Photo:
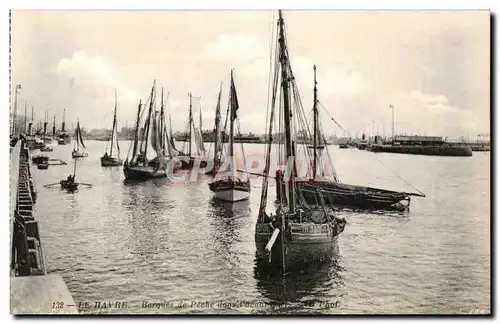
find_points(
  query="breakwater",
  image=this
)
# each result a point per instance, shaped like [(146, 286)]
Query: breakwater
[(441, 150)]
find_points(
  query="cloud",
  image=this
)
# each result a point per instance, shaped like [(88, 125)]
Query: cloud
[(238, 47), (94, 74)]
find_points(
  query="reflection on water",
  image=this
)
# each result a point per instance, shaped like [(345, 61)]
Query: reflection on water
[(146, 211), (305, 286)]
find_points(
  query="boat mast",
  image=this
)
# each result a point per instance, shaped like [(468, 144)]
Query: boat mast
[(162, 133), (136, 135), (232, 117), (78, 135), (149, 121), (287, 111), (54, 127), (113, 129), (74, 169), (190, 122), (315, 132)]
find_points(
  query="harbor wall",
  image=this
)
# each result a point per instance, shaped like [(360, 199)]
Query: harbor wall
[(440, 150)]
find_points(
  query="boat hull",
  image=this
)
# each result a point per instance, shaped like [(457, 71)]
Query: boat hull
[(70, 186), (308, 243), (230, 190), (79, 154), (139, 172), (107, 161), (143, 172), (348, 196), (187, 165)]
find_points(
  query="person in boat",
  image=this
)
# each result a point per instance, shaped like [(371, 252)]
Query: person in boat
[(71, 179), (106, 155)]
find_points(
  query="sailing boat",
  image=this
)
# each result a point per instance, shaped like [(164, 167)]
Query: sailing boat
[(335, 193), (188, 159), (217, 139), (109, 159), (167, 144), (79, 149), (142, 166), (231, 188), (301, 232)]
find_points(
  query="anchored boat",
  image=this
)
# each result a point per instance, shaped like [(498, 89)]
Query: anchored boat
[(231, 188), (188, 159), (149, 158), (109, 159), (79, 149), (297, 231), (218, 138), (332, 191)]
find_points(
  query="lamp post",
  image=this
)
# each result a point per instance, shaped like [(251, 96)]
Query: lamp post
[(14, 119), (392, 107)]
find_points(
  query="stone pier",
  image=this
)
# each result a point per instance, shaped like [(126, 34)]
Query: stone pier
[(32, 290)]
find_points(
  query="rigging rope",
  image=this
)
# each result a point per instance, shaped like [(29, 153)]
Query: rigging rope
[(376, 158), (399, 176)]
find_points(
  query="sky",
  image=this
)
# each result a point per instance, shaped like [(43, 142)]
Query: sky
[(432, 66)]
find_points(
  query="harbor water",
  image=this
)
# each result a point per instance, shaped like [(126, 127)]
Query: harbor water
[(158, 245)]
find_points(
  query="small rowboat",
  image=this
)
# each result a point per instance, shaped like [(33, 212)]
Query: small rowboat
[(37, 159), (69, 185), (43, 166)]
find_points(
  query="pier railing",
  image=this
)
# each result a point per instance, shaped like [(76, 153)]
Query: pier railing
[(26, 247)]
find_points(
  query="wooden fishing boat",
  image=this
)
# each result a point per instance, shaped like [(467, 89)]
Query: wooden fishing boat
[(297, 232), (187, 159), (218, 139), (79, 149), (109, 159), (335, 193), (231, 188), (154, 140)]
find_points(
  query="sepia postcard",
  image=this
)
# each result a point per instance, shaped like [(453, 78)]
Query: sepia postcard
[(287, 162)]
